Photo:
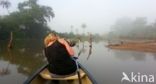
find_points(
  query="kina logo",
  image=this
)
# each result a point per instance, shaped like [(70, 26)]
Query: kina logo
[(137, 78)]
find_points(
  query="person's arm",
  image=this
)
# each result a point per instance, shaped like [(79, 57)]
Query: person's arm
[(69, 49)]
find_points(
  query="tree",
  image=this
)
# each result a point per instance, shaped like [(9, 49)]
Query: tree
[(83, 27), (36, 17), (5, 4), (29, 22)]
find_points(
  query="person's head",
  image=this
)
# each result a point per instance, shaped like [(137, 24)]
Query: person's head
[(51, 37)]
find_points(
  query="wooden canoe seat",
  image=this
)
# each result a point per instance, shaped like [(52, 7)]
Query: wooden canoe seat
[(46, 75)]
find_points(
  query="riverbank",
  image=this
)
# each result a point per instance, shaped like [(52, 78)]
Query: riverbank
[(144, 46)]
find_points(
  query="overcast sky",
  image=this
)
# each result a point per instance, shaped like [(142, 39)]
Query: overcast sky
[(98, 15)]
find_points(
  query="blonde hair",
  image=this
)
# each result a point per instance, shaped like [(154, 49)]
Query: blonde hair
[(49, 38)]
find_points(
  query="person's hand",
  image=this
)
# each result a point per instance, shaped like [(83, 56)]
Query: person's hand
[(71, 43), (75, 58)]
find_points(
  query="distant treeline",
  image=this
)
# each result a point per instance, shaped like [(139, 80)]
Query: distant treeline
[(139, 28), (82, 37), (30, 22)]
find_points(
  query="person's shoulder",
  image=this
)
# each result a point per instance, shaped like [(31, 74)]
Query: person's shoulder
[(62, 40)]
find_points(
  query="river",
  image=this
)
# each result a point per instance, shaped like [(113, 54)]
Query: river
[(106, 65)]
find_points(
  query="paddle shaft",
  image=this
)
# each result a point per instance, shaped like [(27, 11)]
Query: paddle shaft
[(78, 72), (79, 77)]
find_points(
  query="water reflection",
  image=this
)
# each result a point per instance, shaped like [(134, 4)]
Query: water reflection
[(129, 55), (90, 52), (86, 45), (106, 66), (133, 55), (85, 50), (23, 56), (90, 45), (154, 55), (5, 70), (82, 50)]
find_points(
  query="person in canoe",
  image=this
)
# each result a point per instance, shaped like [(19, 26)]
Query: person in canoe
[(59, 53)]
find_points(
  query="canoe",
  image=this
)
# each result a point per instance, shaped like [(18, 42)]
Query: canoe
[(42, 76)]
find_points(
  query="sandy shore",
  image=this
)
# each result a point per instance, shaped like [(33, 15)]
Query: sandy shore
[(147, 46)]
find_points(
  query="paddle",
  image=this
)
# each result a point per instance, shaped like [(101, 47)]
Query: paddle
[(78, 70)]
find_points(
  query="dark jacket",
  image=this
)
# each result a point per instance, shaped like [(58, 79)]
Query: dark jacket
[(60, 61)]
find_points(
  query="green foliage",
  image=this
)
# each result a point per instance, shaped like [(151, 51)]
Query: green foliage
[(29, 22), (125, 28)]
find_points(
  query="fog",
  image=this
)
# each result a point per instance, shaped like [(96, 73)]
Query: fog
[(98, 15)]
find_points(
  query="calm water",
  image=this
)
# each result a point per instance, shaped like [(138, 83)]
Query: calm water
[(106, 65)]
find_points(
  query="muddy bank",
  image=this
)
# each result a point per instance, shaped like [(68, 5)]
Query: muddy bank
[(144, 46)]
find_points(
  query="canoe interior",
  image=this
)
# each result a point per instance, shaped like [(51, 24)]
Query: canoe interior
[(39, 80), (47, 75)]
